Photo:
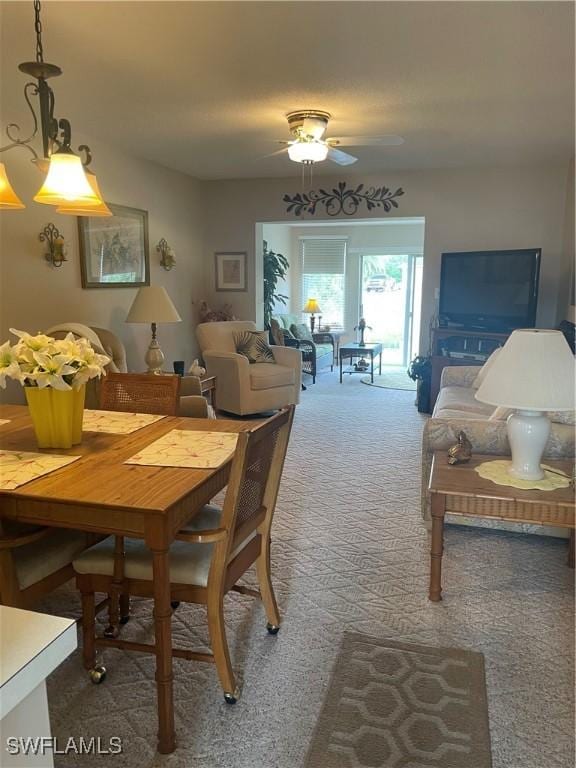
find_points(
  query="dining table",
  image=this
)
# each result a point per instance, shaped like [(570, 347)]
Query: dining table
[(100, 493)]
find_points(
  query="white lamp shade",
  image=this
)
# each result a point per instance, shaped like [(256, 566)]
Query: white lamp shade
[(153, 305), (534, 371)]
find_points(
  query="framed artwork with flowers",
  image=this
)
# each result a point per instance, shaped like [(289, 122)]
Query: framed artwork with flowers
[(114, 249)]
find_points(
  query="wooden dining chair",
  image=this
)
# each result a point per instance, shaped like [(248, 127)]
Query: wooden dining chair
[(140, 393), (208, 556), (36, 560), (135, 393)]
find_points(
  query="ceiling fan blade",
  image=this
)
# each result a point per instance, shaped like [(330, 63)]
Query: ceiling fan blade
[(313, 127), (366, 141), (342, 158), (278, 152)]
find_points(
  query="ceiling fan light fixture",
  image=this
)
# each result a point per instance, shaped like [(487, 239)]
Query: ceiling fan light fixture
[(308, 152)]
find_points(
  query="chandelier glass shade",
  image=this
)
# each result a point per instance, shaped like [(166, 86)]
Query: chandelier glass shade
[(9, 200), (308, 151), (80, 209), (67, 184)]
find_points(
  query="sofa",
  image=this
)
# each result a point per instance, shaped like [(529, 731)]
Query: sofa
[(317, 353), (457, 409), (247, 388)]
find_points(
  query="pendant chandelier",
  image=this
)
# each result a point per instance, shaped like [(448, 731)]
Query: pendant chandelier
[(69, 184)]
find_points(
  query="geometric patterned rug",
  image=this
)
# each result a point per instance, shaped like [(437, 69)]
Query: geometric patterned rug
[(399, 704)]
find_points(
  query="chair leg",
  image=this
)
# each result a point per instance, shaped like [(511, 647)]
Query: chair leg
[(217, 630), (88, 630), (266, 588), (124, 608), (97, 671), (113, 627)]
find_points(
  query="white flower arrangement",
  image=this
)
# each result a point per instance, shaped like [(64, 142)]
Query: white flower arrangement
[(41, 361)]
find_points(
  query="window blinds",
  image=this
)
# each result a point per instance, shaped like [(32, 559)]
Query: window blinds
[(323, 277)]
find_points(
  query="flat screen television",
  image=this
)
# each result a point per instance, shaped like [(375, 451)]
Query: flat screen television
[(490, 290)]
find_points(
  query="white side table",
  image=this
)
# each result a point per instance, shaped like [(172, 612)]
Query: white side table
[(32, 645)]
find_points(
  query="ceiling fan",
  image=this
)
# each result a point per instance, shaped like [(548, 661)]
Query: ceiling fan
[(308, 145)]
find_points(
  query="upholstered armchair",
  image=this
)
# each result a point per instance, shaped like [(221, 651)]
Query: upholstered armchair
[(242, 387)]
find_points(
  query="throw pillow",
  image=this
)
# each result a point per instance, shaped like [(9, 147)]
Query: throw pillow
[(500, 413), (482, 373), (254, 346), (563, 417), (301, 331), (276, 333)]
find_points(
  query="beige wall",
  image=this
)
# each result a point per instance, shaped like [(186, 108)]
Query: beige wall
[(278, 237), (34, 295), (464, 209), (567, 288)]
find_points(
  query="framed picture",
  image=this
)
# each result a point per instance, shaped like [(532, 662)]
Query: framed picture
[(231, 271), (114, 249)]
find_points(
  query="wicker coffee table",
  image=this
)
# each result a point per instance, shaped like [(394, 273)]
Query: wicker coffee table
[(353, 350), (459, 490)]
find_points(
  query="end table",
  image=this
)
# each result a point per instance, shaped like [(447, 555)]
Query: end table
[(459, 490)]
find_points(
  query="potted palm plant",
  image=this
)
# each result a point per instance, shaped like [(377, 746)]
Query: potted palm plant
[(275, 269), (420, 370)]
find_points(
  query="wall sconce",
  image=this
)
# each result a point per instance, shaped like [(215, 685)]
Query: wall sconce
[(167, 258), (56, 254)]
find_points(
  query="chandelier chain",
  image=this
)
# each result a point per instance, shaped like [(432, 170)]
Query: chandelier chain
[(38, 28)]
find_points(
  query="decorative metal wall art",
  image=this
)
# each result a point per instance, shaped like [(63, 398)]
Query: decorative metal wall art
[(56, 254), (342, 200), (167, 257)]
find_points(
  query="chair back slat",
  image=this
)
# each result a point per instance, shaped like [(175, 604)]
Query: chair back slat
[(255, 478), (140, 393)]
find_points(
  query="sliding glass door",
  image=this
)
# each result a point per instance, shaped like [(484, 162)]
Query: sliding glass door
[(390, 301)]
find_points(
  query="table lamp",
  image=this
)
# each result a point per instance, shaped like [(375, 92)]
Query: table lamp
[(311, 309), (153, 305), (533, 374)]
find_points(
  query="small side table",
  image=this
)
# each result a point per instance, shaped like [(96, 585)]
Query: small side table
[(336, 338), (354, 350), (459, 490), (208, 386)]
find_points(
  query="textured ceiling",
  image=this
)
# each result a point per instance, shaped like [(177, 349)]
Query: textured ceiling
[(204, 86)]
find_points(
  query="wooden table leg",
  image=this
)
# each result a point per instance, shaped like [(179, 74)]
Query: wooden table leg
[(436, 550), (340, 368), (163, 638), (571, 549)]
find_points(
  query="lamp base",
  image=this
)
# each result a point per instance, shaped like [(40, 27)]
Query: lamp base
[(154, 357), (528, 433)]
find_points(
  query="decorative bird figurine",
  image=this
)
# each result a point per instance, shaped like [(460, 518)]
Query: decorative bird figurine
[(462, 451), (362, 327)]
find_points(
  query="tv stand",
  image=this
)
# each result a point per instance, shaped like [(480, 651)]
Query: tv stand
[(458, 346)]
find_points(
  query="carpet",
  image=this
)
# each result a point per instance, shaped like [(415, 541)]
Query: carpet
[(392, 704), (392, 380)]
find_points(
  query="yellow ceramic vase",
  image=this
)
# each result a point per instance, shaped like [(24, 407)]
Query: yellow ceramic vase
[(56, 415)]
